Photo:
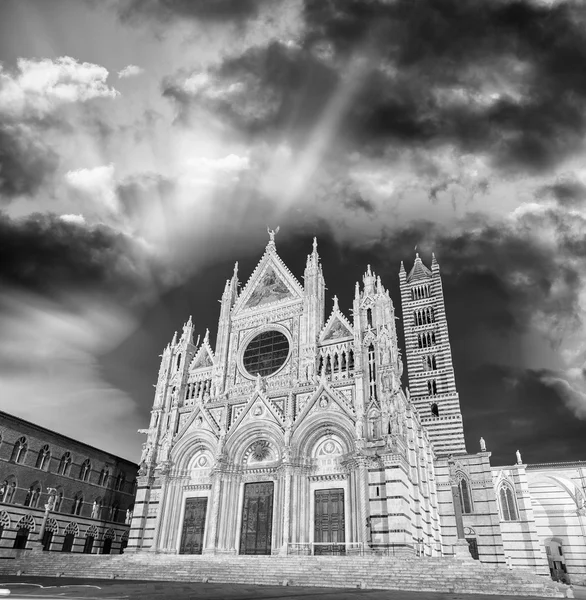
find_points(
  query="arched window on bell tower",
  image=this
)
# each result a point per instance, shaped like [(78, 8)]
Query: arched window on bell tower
[(372, 372), (369, 317)]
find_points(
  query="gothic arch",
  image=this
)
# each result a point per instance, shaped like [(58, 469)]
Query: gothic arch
[(241, 440), (310, 432), (182, 453)]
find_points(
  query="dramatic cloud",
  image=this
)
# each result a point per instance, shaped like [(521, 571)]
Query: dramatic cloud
[(39, 86), (503, 80), (130, 71), (31, 97), (54, 256), (97, 183)]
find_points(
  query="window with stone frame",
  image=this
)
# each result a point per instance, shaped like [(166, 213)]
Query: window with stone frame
[(33, 495), (508, 503), (44, 458), (65, 464), (464, 494), (85, 470), (19, 450), (8, 490), (104, 477)]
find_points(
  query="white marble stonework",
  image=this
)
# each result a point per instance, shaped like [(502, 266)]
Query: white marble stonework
[(294, 434)]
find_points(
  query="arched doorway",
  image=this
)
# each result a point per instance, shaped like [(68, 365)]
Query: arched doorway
[(556, 560)]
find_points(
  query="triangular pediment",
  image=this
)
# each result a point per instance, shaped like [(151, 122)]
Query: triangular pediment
[(199, 419), (337, 328), (258, 408), (204, 357), (270, 282), (323, 399)]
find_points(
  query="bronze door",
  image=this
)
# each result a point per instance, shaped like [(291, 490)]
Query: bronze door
[(193, 526), (257, 518), (329, 521)]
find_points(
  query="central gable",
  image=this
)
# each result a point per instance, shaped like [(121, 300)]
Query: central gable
[(271, 288), (270, 282)]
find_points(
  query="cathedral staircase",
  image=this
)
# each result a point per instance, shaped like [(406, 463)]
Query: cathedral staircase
[(372, 572)]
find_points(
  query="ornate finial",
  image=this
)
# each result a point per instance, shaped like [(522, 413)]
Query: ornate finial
[(272, 233), (402, 269), (174, 340), (379, 285), (206, 337), (314, 245), (235, 269), (197, 343), (416, 255), (336, 307), (368, 271)]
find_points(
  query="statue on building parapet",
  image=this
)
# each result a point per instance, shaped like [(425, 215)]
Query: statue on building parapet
[(482, 445), (519, 461), (272, 233)]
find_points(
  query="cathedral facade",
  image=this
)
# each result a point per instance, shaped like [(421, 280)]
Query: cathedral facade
[(294, 435)]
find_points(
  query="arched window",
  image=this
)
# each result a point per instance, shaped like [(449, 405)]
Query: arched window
[(328, 365), (432, 387), (419, 341), (434, 410), (178, 361), (102, 477), (85, 470), (77, 504), (90, 535), (372, 372), (120, 481), (114, 510), (51, 528), (70, 533), (33, 495), (43, 458), (8, 490), (65, 464), (351, 360), (19, 450), (508, 504), (58, 500), (23, 529), (369, 317), (464, 494), (123, 542), (109, 537)]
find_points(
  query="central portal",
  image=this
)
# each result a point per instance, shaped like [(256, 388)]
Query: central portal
[(257, 518), (193, 526), (329, 522)]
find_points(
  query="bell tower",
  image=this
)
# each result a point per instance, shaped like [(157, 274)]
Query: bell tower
[(429, 356)]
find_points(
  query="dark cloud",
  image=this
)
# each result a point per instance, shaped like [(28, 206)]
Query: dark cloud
[(569, 192), (201, 10), (358, 203), (25, 162), (516, 409), (44, 254), (502, 78)]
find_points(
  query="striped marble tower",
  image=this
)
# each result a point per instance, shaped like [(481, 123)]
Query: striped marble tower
[(429, 357)]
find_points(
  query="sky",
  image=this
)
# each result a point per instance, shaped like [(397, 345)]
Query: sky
[(146, 145)]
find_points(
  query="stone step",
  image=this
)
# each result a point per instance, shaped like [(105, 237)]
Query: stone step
[(416, 574)]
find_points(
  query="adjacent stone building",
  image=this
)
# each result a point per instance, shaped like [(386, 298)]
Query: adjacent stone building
[(294, 435), (93, 491)]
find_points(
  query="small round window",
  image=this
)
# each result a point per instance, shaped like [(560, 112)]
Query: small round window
[(266, 353)]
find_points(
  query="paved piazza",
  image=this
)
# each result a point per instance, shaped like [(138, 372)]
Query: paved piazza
[(47, 587)]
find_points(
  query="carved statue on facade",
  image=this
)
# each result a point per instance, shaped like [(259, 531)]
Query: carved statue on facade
[(519, 461), (273, 233), (482, 445)]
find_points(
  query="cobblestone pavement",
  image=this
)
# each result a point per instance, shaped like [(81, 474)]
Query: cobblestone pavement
[(89, 589)]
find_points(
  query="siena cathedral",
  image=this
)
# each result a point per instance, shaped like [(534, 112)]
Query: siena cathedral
[(295, 435)]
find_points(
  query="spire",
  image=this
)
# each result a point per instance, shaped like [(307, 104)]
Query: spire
[(313, 258), (369, 280), (187, 334), (419, 270), (206, 337), (235, 274), (434, 263), (357, 291), (379, 285)]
